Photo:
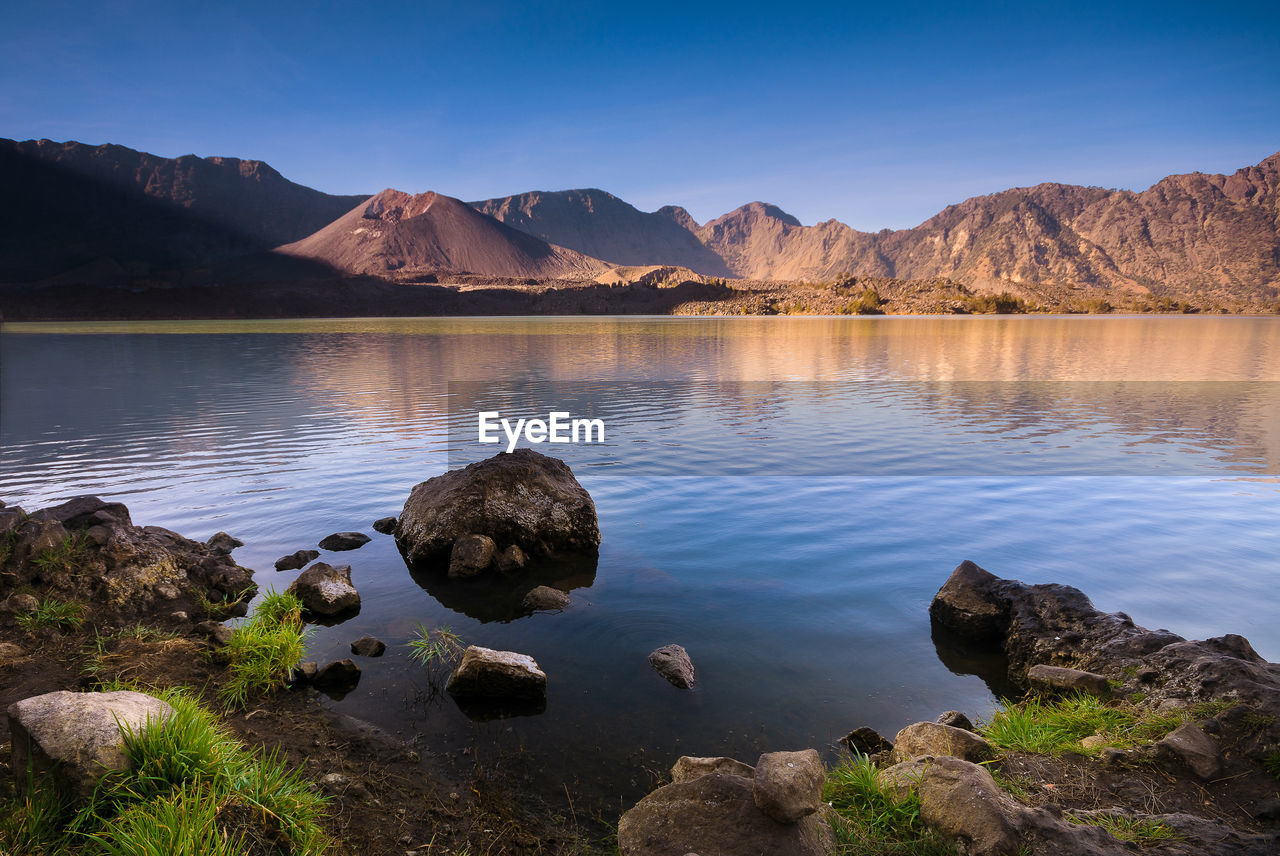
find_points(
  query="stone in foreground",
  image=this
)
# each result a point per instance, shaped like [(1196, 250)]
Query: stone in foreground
[(1061, 679), (687, 768), (932, 738), (344, 541), (485, 673), (1193, 747), (296, 560), (522, 498), (673, 663), (77, 736), (716, 815), (325, 590), (788, 785), (545, 598)]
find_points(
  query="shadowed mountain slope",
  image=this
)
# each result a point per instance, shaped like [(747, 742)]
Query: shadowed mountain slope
[(601, 225)]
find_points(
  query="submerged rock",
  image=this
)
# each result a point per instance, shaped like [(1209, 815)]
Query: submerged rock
[(866, 741), (368, 646), (788, 785), (76, 737), (337, 678), (674, 664), (325, 590), (511, 559), (340, 541), (522, 498), (489, 674), (545, 598), (223, 543), (299, 559)]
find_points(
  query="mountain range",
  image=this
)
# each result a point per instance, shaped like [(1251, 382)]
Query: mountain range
[(82, 213)]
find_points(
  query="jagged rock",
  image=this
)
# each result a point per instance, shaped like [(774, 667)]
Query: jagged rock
[(1059, 678), (77, 736), (955, 719), (340, 676), (932, 738), (296, 560), (788, 785), (522, 498), (866, 741), (471, 555), (88, 550), (1189, 744), (368, 646), (511, 559), (687, 768), (716, 815), (546, 597), (326, 590), (385, 525), (673, 663), (216, 632), (340, 541), (486, 673), (223, 543), (963, 606)]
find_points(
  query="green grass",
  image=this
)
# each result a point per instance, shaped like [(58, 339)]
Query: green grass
[(1045, 727), (872, 820), (1144, 833), (263, 651), (1271, 761), (191, 788), (55, 614), (439, 646), (63, 557)]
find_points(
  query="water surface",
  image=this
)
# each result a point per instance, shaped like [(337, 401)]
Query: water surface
[(1132, 457)]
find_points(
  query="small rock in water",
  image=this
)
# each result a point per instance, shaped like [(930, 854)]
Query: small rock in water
[(673, 663), (293, 561), (486, 673), (471, 555), (344, 541), (368, 646), (223, 543), (546, 597), (338, 677), (326, 590), (305, 673), (385, 525)]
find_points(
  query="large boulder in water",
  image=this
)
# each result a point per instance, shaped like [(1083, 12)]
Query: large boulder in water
[(522, 498)]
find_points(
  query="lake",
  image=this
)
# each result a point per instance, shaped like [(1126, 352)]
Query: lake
[(782, 496)]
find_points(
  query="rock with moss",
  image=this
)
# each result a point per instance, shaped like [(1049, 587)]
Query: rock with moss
[(88, 550)]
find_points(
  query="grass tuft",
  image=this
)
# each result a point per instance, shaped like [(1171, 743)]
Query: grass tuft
[(264, 650), (64, 556), (872, 820), (54, 614), (1133, 830)]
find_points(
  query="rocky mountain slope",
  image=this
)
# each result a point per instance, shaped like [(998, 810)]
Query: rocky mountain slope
[(601, 225), (394, 234)]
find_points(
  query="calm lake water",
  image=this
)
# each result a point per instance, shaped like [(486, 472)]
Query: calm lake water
[(781, 496)]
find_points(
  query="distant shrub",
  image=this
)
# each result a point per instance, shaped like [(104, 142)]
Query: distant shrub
[(1003, 303), (1098, 306)]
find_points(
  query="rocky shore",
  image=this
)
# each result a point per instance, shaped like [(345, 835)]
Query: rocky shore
[(1113, 737)]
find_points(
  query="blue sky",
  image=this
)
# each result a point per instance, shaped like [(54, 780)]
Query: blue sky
[(877, 115)]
